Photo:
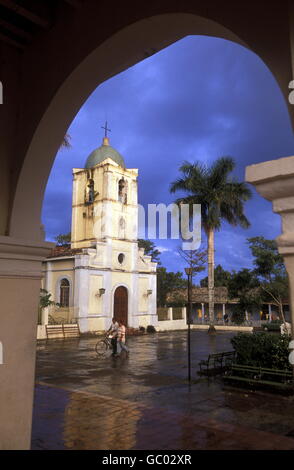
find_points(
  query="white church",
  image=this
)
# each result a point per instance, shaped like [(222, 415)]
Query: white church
[(103, 273)]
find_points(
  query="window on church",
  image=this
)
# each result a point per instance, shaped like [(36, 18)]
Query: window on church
[(64, 293), (90, 192), (121, 258), (122, 191)]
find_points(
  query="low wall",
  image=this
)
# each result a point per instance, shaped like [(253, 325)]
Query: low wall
[(224, 327), (168, 325)]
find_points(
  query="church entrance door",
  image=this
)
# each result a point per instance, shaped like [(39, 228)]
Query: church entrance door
[(120, 308)]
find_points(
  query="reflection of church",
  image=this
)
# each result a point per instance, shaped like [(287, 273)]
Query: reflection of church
[(103, 273)]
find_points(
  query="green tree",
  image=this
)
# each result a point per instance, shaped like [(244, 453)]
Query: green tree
[(241, 282), (245, 286), (44, 301), (150, 249), (194, 259), (166, 282), (63, 239), (267, 260), (221, 197), (221, 278), (271, 271)]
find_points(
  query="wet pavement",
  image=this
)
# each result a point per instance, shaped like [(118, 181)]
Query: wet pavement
[(145, 402)]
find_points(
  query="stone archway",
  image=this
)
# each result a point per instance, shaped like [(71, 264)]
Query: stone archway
[(120, 305), (60, 104)]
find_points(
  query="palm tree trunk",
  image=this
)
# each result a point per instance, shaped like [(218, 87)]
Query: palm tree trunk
[(210, 251)]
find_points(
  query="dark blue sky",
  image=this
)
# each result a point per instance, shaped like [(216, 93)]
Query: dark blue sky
[(199, 99)]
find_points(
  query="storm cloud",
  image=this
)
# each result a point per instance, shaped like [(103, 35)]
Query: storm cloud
[(199, 99)]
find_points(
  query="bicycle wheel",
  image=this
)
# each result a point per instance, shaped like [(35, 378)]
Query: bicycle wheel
[(101, 347)]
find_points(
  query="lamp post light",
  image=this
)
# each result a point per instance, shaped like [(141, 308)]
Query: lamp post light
[(189, 272)]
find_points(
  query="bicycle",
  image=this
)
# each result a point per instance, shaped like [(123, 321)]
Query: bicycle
[(103, 345)]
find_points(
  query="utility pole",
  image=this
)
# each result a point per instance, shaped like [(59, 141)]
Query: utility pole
[(189, 272)]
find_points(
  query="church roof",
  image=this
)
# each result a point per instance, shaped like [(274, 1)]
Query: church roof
[(65, 250), (103, 152)]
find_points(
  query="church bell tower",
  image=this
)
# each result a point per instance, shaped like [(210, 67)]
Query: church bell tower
[(105, 202)]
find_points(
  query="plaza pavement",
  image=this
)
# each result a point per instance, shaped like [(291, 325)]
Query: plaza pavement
[(145, 402)]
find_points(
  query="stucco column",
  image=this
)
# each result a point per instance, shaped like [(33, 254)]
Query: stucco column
[(20, 282), (45, 316), (81, 294), (274, 180), (202, 312), (152, 307), (269, 312), (184, 314)]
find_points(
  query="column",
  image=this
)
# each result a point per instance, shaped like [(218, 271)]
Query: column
[(274, 180), (269, 312), (20, 282), (202, 312), (45, 316), (224, 311), (81, 294), (184, 314)]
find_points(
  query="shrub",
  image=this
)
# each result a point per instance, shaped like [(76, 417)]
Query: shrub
[(142, 329), (151, 329), (273, 325), (262, 350)]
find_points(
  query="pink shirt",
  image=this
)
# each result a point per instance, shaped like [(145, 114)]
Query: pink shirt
[(122, 333)]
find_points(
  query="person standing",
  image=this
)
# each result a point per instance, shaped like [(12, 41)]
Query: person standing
[(113, 331), (121, 337)]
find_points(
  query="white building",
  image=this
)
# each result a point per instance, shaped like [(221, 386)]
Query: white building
[(104, 273)]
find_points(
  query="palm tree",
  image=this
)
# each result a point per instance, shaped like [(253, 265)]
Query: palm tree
[(221, 197)]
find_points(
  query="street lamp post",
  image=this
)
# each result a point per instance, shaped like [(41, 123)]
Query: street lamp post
[(189, 272)]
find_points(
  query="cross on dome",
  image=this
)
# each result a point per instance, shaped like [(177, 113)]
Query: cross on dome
[(106, 129)]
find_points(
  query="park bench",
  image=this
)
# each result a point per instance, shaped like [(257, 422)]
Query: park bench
[(216, 362), (260, 376), (71, 331), (62, 331)]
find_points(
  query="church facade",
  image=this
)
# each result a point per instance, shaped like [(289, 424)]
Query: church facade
[(103, 273)]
